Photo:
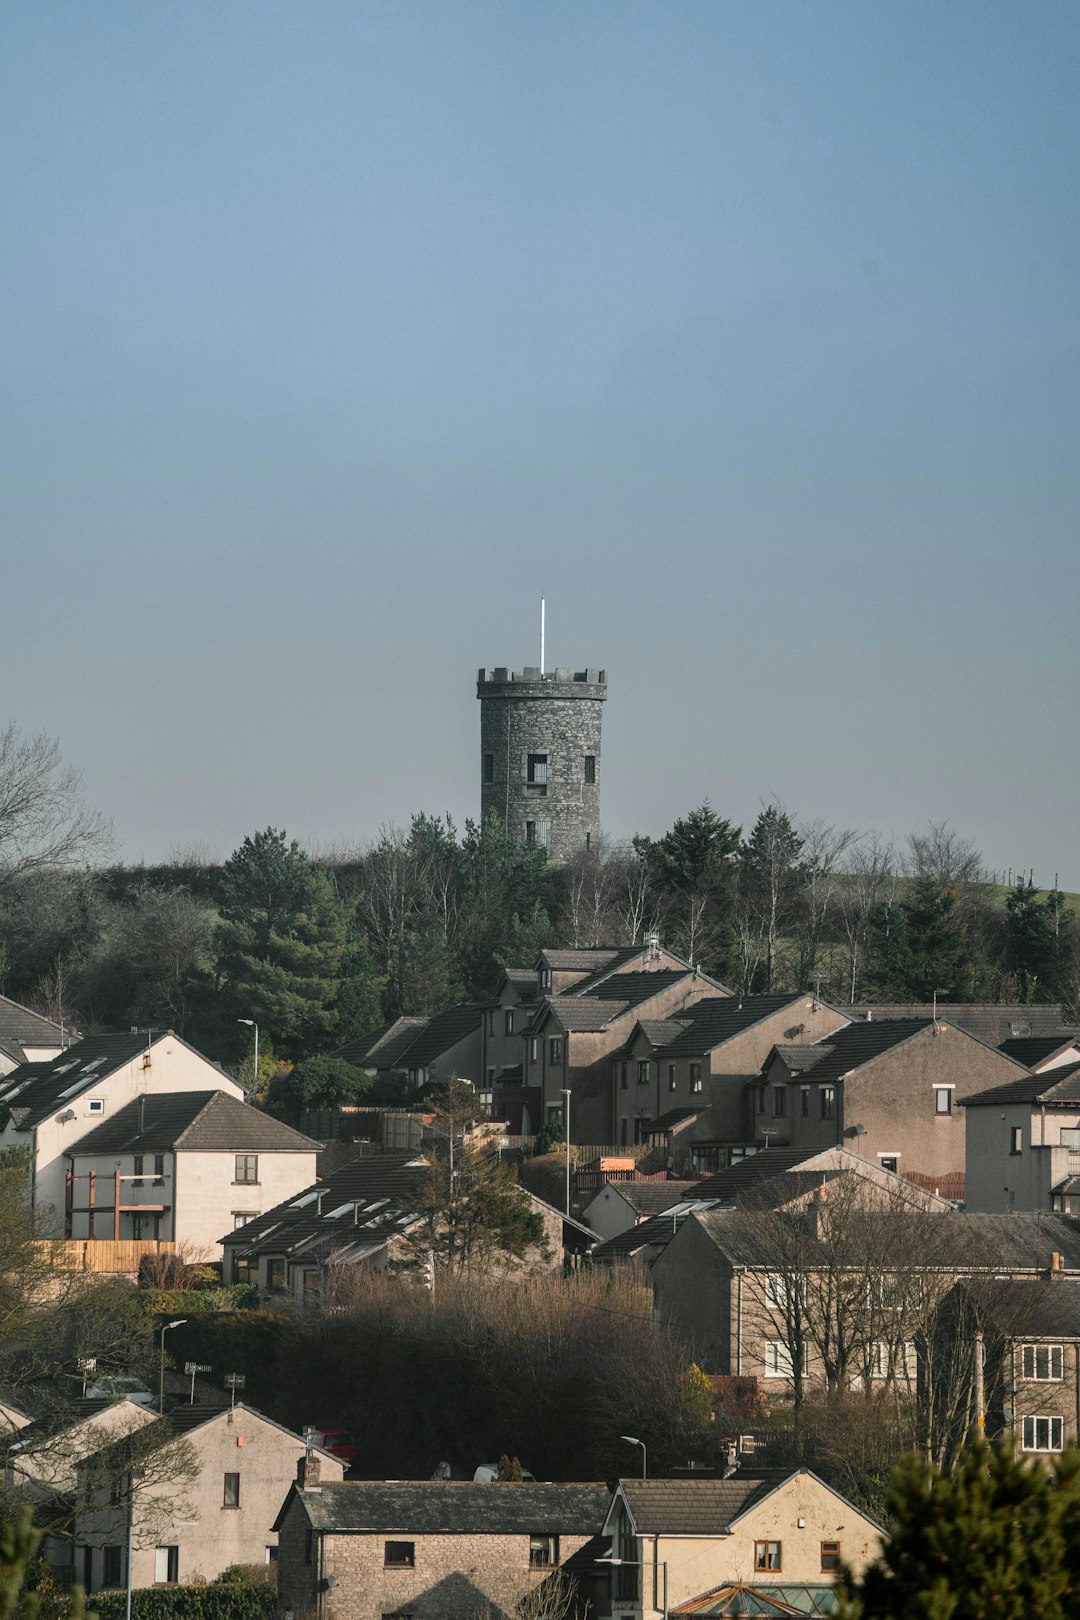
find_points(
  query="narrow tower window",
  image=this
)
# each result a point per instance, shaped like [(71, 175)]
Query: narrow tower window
[(538, 770), (590, 767), (489, 767)]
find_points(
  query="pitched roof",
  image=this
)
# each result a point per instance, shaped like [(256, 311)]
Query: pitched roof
[(719, 1018), (1045, 1309), (20, 1027), (379, 1049), (652, 1197), (693, 1507), (727, 1185), (989, 1022), (34, 1091), (857, 1044), (439, 1034), (594, 959), (802, 1056), (654, 1233), (609, 1000), (1058, 1088), (957, 1240), (456, 1507), (192, 1121), (365, 1202), (1032, 1050)]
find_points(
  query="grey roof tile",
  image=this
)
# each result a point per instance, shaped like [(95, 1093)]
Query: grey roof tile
[(1058, 1087), (719, 1018), (193, 1121), (693, 1507), (456, 1507)]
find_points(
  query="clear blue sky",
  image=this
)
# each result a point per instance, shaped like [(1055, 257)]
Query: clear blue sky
[(333, 334)]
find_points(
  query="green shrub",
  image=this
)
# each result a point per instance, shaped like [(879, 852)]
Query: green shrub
[(222, 1600), (200, 1301)]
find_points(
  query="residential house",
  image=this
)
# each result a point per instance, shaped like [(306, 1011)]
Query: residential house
[(27, 1037), (1042, 1052), (49, 1106), (677, 1542), (40, 1462), (207, 1485), (364, 1214), (889, 1090), (621, 1205), (685, 1077), (1031, 1362), (726, 1279), (992, 1022), (423, 1051), (436, 1550), (505, 1095), (774, 1178), (182, 1166), (570, 1039), (1023, 1142)]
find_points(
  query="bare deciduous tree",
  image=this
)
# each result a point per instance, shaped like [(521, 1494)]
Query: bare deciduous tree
[(868, 880), (43, 819)]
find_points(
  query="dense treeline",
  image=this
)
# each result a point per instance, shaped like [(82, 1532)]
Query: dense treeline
[(551, 1370), (318, 948)]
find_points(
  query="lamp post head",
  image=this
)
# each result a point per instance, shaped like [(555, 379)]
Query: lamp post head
[(248, 1021), (180, 1320)]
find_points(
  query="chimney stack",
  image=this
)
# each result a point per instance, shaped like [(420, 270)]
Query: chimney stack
[(307, 1472)]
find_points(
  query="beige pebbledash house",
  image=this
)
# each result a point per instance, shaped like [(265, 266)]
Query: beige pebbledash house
[(209, 1483), (437, 1550), (185, 1167), (674, 1541)]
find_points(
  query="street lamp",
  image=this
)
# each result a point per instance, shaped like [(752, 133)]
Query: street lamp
[(566, 1122), (250, 1022), (180, 1320), (632, 1440)]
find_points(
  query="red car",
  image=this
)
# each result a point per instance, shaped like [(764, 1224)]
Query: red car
[(339, 1443)]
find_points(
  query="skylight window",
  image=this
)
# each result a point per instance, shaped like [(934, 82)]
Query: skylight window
[(303, 1200)]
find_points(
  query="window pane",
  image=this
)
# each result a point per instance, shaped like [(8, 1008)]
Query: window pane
[(232, 1490)]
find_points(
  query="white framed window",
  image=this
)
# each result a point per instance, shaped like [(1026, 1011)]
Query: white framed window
[(1016, 1139), (943, 1099), (1044, 1434), (778, 1359), (95, 1105), (537, 772), (642, 1071), (1043, 1363), (889, 1161), (895, 1361), (671, 1077), (166, 1566)]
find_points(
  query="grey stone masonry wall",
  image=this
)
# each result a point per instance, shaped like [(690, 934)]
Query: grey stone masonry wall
[(538, 734)]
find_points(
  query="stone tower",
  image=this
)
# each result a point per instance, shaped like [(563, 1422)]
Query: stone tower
[(540, 755)]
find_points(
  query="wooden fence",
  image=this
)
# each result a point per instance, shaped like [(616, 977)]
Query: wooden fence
[(101, 1255)]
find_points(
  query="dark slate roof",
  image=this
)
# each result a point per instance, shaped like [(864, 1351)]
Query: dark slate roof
[(1058, 1088), (655, 1233), (673, 1119), (34, 1091), (64, 1416), (954, 1241), (376, 1193), (592, 960), (456, 1507), (438, 1036), (20, 1027), (693, 1507), (1035, 1049), (609, 1000), (195, 1122), (379, 1046), (798, 1059), (849, 1048), (712, 1022), (652, 1197), (630, 988), (727, 1185), (990, 1023), (660, 1030), (1047, 1309)]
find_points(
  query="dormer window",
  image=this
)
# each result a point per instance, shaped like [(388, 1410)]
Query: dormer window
[(545, 978)]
